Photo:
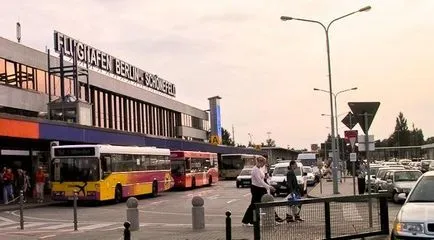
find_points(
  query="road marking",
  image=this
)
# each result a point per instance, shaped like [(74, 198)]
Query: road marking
[(158, 202), (186, 214), (246, 195), (94, 226), (58, 226), (14, 213), (6, 219), (47, 236), (26, 225), (213, 197), (7, 223), (232, 200)]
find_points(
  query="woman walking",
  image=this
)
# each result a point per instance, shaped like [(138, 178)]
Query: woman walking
[(258, 188)]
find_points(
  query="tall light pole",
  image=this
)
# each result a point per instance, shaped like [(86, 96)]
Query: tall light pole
[(250, 136), (326, 29), (335, 95)]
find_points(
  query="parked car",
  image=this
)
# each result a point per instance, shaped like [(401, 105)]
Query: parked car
[(379, 178), (415, 219), (310, 176), (431, 166), (244, 178), (400, 181), (374, 169), (278, 180), (424, 165)]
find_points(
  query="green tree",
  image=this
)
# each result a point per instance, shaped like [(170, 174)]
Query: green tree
[(429, 140), (226, 138), (401, 134), (416, 137), (270, 143)]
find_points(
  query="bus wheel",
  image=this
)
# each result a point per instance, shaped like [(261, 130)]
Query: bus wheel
[(210, 180), (154, 189), (193, 183), (118, 193)]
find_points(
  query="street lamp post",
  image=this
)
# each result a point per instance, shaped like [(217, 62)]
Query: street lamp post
[(326, 29), (335, 95)]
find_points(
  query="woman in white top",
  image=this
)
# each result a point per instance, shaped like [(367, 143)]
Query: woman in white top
[(258, 188)]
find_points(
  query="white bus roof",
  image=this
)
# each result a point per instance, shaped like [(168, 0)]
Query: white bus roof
[(306, 156), (242, 155), (122, 149)]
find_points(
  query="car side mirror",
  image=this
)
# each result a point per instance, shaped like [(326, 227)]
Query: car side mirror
[(402, 196), (305, 174), (373, 177)]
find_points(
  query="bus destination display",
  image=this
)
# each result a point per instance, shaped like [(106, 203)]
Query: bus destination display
[(76, 152)]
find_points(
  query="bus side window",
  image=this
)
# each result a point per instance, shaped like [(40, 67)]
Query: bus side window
[(105, 166), (188, 165)]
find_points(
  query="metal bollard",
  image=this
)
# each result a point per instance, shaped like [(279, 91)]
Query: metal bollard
[(268, 217), (21, 209), (198, 213), (228, 226), (75, 211), (127, 232), (133, 213)]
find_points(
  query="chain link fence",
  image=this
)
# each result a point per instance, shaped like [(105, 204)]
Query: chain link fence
[(344, 217)]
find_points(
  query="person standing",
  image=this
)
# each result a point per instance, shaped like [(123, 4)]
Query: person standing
[(295, 193), (8, 191), (20, 181), (40, 183), (361, 177), (258, 188)]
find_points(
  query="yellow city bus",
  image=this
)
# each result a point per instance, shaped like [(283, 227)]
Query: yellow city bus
[(106, 172)]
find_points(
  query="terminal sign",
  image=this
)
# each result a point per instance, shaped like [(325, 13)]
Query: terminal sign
[(110, 64)]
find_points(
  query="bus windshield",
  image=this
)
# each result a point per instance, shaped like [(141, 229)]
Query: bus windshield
[(76, 169), (232, 162), (178, 167)]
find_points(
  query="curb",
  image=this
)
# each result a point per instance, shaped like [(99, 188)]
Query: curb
[(308, 194)]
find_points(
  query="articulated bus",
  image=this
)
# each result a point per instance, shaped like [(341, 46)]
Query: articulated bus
[(193, 169), (231, 164), (105, 172)]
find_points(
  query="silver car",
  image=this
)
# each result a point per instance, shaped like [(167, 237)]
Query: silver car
[(400, 181), (415, 220)]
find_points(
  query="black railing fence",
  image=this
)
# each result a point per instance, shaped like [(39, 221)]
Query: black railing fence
[(345, 217)]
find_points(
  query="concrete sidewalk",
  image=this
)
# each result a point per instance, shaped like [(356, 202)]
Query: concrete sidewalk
[(30, 203), (325, 189)]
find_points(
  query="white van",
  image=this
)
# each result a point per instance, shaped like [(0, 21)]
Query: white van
[(278, 179), (307, 159)]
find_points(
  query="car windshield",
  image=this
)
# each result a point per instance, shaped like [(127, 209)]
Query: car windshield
[(422, 192), (374, 170), (282, 171), (246, 172), (407, 176)]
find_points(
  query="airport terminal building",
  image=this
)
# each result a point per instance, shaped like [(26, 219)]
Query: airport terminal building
[(85, 95)]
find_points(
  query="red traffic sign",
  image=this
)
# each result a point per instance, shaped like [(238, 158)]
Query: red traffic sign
[(351, 134)]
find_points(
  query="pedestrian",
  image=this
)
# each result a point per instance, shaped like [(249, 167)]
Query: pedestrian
[(20, 181), (26, 185), (361, 177), (258, 188), (295, 193), (8, 191), (40, 183)]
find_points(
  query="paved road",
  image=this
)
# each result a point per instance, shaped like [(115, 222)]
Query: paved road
[(169, 210)]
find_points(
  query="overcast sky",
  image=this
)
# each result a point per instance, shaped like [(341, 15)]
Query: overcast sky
[(264, 69)]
